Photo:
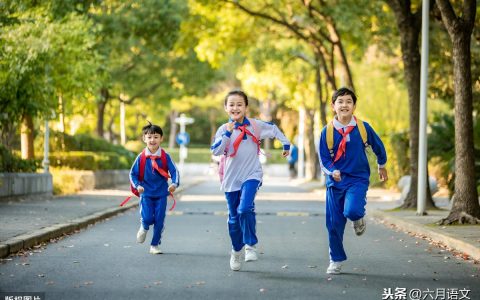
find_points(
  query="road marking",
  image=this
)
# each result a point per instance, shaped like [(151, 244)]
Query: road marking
[(292, 214), (225, 213)]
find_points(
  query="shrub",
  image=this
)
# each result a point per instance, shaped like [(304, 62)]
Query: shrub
[(12, 163), (85, 160)]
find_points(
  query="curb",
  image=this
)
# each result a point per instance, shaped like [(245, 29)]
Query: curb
[(28, 240), (433, 234)]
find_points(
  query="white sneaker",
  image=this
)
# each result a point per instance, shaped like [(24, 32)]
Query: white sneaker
[(359, 226), (335, 268), (236, 260), (250, 253), (155, 250), (141, 235)]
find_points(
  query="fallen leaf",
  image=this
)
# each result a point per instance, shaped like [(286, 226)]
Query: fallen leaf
[(285, 267), (41, 275)]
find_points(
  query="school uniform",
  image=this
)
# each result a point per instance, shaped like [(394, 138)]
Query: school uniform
[(243, 176), (346, 199), (153, 201)]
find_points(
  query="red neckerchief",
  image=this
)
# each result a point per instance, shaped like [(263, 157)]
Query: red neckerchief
[(243, 130), (343, 143)]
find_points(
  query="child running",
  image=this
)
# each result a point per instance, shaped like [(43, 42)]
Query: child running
[(343, 158), (239, 143), (153, 188)]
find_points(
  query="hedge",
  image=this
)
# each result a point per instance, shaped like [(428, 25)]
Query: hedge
[(86, 160)]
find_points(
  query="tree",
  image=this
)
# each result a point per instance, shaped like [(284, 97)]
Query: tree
[(409, 26), (134, 43), (465, 207), (32, 50)]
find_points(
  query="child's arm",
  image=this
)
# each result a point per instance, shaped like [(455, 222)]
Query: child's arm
[(379, 149), (222, 138), (134, 171), (175, 175), (326, 162), (270, 131)]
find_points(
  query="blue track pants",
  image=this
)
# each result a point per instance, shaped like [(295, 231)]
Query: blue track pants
[(342, 204), (152, 212), (241, 215)]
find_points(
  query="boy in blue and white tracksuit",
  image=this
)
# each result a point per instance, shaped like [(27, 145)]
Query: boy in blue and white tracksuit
[(154, 187), (242, 172), (347, 173)]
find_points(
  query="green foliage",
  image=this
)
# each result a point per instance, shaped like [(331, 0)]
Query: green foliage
[(59, 142), (11, 163), (441, 146), (85, 160), (398, 156)]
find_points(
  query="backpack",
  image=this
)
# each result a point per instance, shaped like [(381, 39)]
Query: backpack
[(257, 130), (361, 129), (143, 161)]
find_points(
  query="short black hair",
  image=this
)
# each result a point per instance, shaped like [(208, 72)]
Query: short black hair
[(239, 93), (342, 92), (152, 129)]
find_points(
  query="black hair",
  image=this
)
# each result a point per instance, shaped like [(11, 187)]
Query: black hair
[(239, 93), (342, 92), (152, 129)]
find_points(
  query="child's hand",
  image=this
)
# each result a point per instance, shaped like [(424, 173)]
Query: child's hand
[(336, 175), (285, 153), (172, 188), (382, 172), (230, 126), (140, 189)]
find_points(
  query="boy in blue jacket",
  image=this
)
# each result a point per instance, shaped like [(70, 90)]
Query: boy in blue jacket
[(154, 188), (347, 171)]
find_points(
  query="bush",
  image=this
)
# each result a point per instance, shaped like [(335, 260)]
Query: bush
[(85, 160), (11, 163), (59, 142)]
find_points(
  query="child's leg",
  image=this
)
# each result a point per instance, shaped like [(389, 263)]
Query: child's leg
[(147, 211), (160, 207), (246, 211), (355, 201), (336, 223), (234, 229)]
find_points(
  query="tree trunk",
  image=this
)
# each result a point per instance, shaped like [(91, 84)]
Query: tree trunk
[(409, 26), (173, 129), (101, 105), (312, 163), (27, 137), (340, 52), (465, 207), (322, 104), (61, 108)]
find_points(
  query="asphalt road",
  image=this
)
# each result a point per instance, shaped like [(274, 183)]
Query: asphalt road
[(105, 262)]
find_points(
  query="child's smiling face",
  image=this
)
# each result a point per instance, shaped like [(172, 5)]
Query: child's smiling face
[(344, 107), (153, 141), (236, 108)]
